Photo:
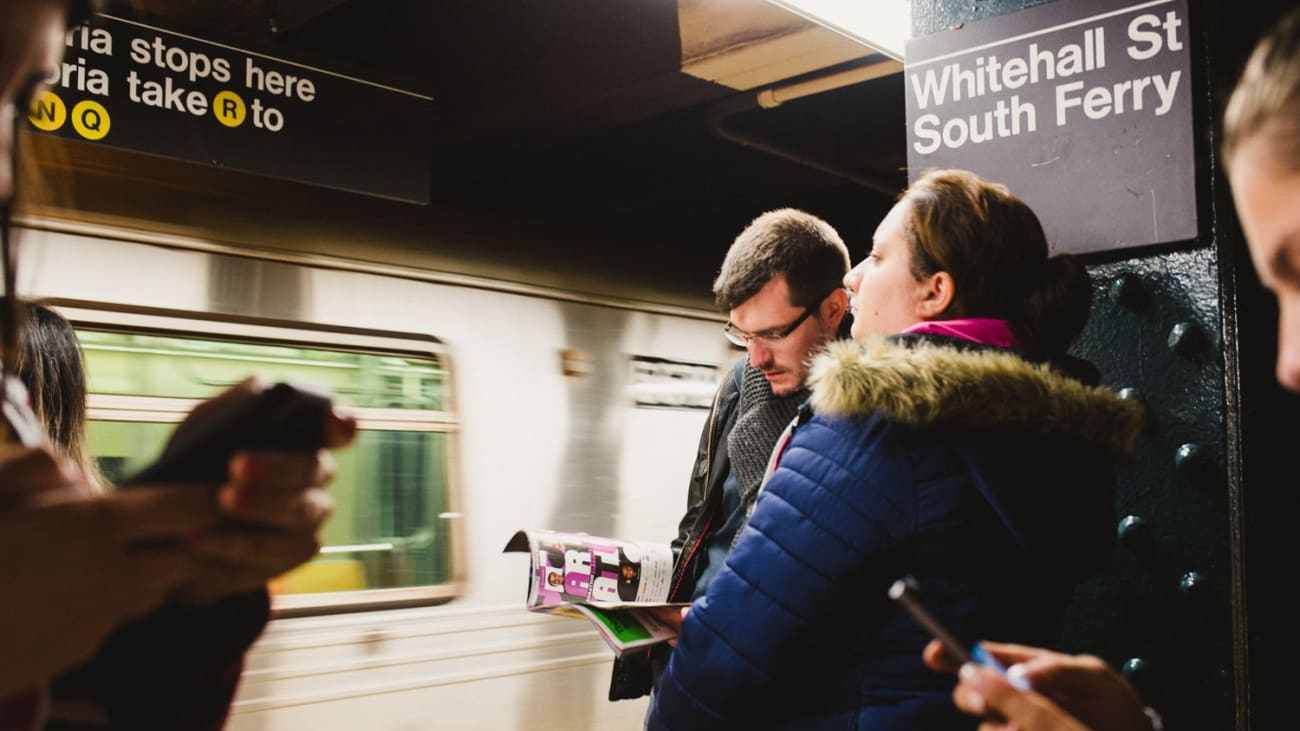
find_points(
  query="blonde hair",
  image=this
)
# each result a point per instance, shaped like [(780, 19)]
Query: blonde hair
[(1267, 98)]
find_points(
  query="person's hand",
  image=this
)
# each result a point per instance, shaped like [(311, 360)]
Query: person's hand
[(1071, 692), (671, 616), (274, 504), (30, 474), (76, 566)]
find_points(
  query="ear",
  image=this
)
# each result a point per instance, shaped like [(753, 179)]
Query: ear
[(834, 307), (935, 295)]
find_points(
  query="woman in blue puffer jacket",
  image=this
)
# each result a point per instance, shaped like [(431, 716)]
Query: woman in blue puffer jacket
[(953, 441)]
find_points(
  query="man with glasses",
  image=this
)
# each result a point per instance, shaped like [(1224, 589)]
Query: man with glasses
[(781, 287)]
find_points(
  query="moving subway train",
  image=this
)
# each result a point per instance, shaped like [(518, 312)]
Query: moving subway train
[(481, 411), (490, 228)]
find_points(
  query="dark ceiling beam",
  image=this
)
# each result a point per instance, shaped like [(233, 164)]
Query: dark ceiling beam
[(289, 15), (249, 20)]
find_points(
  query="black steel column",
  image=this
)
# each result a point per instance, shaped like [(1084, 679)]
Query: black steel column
[(1194, 604)]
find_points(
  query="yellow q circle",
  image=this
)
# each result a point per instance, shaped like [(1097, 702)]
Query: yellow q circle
[(228, 108), (48, 112), (90, 119)]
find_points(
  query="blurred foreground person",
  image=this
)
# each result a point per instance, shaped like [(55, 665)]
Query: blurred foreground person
[(1261, 152), (78, 565), (955, 442)]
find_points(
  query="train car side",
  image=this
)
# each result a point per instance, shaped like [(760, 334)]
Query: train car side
[(555, 419)]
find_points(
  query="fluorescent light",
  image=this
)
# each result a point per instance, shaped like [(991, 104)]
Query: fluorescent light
[(884, 25), (358, 548)]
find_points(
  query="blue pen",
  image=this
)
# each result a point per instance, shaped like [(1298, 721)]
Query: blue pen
[(905, 590)]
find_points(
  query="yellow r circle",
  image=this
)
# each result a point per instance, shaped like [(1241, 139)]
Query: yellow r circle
[(228, 108)]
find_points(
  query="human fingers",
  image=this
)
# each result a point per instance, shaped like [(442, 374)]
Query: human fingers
[(143, 513), (671, 616), (270, 472), (985, 693), (938, 659), (1011, 654), (1088, 688), (304, 511), (26, 472), (340, 427), (1082, 685), (268, 552), (1066, 674)]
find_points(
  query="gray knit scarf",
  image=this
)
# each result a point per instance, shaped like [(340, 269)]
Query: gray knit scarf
[(761, 418)]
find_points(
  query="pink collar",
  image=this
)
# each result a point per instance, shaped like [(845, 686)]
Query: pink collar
[(985, 330)]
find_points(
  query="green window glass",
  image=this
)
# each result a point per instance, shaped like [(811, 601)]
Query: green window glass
[(392, 527)]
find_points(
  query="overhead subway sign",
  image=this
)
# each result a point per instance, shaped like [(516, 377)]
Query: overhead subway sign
[(1082, 108), (149, 90), (995, 78)]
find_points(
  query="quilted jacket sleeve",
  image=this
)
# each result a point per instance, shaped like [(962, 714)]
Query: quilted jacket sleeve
[(839, 499)]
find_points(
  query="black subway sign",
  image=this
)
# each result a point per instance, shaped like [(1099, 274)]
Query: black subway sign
[(1082, 107), (149, 90)]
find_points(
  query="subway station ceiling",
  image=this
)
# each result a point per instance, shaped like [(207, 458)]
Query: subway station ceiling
[(618, 118)]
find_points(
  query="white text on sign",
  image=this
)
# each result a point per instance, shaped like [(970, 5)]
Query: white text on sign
[(1148, 36)]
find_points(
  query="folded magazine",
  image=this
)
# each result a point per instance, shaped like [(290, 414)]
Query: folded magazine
[(611, 583)]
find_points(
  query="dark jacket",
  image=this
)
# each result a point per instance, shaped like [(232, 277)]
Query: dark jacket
[(986, 477), (175, 669), (632, 676)]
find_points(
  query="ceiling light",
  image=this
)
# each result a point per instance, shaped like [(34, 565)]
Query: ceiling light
[(883, 25)]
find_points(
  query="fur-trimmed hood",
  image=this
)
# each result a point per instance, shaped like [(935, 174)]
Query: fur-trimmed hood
[(920, 382)]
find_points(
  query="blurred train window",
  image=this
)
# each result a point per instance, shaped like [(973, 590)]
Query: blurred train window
[(390, 536)]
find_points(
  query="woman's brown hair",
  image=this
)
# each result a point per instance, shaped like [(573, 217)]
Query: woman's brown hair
[(50, 364), (993, 246)]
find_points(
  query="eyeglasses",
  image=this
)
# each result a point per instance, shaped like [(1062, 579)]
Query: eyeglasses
[(774, 335)]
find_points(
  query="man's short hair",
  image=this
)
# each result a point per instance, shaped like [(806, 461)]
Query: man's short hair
[(798, 245)]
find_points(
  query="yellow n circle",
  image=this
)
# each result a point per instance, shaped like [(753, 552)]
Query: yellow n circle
[(48, 112)]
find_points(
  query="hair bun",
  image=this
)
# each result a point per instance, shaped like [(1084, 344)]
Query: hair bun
[(1057, 308)]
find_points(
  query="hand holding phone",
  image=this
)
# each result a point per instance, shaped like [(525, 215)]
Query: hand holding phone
[(906, 592), (250, 416), (271, 496), (21, 425)]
